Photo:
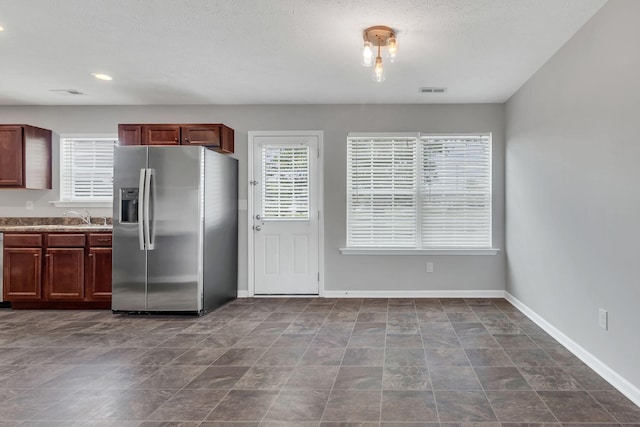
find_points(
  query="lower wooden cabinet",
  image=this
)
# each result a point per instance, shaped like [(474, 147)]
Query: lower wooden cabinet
[(64, 274), (22, 274), (98, 282), (66, 269)]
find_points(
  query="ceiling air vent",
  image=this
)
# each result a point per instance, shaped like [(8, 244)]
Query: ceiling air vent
[(67, 91), (432, 90)]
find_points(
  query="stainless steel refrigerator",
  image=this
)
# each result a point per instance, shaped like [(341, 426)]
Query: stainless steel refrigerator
[(175, 229)]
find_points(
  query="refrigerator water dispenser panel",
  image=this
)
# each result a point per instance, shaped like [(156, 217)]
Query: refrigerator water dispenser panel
[(129, 205)]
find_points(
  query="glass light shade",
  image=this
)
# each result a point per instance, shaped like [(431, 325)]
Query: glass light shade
[(392, 48), (367, 54), (378, 71)]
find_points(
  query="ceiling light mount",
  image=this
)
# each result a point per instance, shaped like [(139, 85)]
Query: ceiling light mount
[(379, 36)]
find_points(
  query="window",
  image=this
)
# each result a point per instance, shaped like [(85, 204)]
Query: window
[(86, 169), (285, 182), (419, 191)]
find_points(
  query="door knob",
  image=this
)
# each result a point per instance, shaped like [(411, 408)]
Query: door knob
[(257, 228)]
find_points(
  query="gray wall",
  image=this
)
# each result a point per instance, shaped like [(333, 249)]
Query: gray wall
[(573, 203), (342, 272)]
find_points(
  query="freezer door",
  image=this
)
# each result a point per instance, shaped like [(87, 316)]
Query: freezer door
[(174, 257), (129, 258)]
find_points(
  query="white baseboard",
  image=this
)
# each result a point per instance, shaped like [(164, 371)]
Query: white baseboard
[(245, 294), (625, 387), (394, 294), (414, 294)]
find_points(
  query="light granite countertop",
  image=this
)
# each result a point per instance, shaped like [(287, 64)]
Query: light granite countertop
[(52, 224), (53, 228)]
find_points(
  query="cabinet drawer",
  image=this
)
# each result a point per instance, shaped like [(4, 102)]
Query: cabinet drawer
[(100, 240), (66, 240), (23, 240)]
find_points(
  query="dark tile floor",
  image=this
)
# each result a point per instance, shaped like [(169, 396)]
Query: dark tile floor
[(299, 362)]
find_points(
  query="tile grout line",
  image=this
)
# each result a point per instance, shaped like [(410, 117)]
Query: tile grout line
[(426, 361), (474, 371), (339, 366), (292, 371), (211, 364), (525, 378)]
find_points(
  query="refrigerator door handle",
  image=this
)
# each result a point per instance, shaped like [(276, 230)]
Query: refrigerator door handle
[(141, 202), (148, 212)]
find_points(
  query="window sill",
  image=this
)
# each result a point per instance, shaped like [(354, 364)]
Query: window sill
[(401, 251), (78, 203)]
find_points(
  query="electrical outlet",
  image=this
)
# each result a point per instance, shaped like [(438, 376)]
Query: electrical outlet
[(603, 319), (429, 267), (29, 205)]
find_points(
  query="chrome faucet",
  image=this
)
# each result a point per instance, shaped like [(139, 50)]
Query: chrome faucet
[(86, 218)]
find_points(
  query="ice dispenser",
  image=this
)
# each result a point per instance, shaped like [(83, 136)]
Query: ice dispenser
[(128, 205)]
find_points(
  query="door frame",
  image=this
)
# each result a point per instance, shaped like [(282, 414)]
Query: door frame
[(253, 135)]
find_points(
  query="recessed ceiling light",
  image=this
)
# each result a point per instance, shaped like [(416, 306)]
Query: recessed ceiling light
[(102, 76), (1, 29)]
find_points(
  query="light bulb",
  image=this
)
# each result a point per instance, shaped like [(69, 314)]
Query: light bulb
[(392, 48), (378, 71), (367, 54), (102, 76)]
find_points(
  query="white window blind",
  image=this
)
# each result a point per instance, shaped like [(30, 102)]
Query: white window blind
[(86, 166), (426, 192), (455, 191), (285, 182), (381, 192)]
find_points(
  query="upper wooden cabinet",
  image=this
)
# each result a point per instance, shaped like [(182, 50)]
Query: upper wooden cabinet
[(25, 157), (215, 136), (129, 134), (160, 135)]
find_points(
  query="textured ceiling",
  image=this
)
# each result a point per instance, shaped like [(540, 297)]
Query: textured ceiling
[(274, 51)]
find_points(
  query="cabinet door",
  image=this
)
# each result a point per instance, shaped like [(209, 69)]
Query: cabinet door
[(64, 273), (129, 134), (11, 156), (160, 135), (21, 275), (207, 135), (99, 274)]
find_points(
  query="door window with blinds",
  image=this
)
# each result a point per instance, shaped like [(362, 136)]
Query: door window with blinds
[(285, 182), (419, 191), (86, 169)]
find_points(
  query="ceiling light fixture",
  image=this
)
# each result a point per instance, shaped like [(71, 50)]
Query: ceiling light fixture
[(1, 29), (377, 37), (102, 76)]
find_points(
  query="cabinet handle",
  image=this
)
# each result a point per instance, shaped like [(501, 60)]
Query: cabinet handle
[(46, 256), (90, 255), (175, 139), (186, 140), (103, 240), (35, 255)]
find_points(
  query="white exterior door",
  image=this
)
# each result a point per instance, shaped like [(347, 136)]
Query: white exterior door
[(285, 211)]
